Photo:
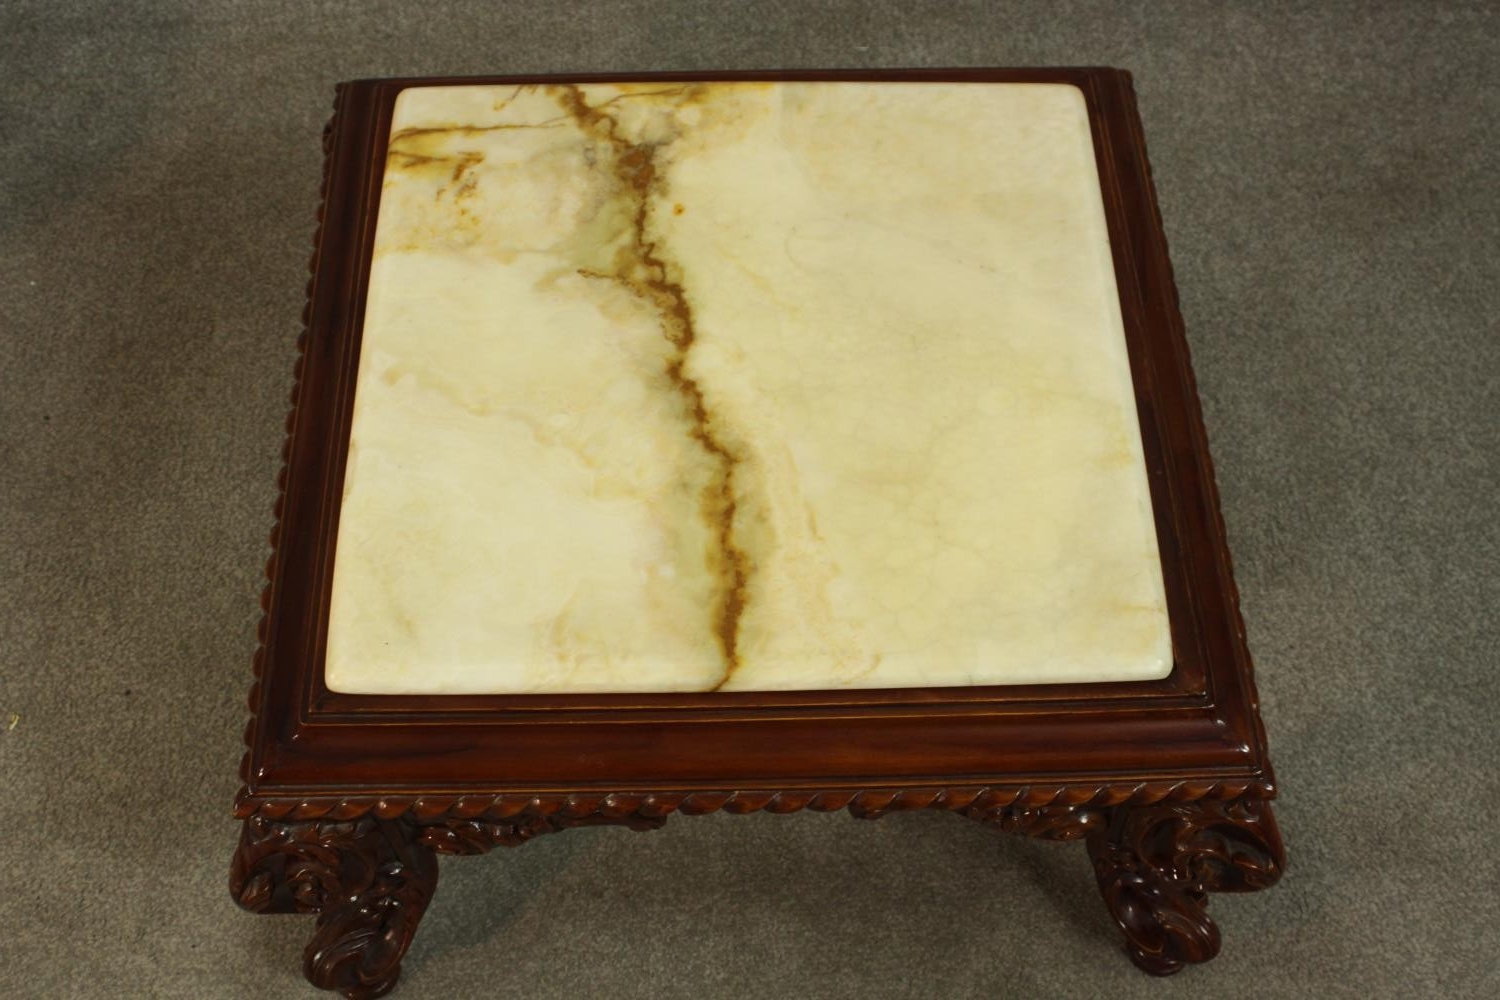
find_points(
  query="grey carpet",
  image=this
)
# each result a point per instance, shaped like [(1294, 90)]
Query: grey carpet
[(1327, 175)]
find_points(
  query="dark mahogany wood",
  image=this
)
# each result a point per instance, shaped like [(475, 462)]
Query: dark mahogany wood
[(368, 879), (346, 797), (1156, 865)]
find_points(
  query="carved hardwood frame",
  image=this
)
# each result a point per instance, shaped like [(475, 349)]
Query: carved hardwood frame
[(346, 798)]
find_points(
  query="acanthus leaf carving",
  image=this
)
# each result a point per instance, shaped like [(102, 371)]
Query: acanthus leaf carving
[(476, 836), (368, 879), (1156, 865), (1046, 822)]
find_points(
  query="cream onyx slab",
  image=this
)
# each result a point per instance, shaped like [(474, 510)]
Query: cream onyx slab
[(742, 386)]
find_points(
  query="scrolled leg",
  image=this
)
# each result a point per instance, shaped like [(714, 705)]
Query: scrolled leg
[(369, 881), (1156, 865)]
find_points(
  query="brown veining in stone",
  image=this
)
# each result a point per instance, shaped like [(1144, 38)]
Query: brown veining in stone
[(639, 266), (871, 348), (415, 148), (417, 135)]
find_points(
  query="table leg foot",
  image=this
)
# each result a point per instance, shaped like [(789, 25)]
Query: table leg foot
[(1156, 865), (369, 881)]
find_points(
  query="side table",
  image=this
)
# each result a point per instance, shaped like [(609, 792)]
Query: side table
[(676, 443)]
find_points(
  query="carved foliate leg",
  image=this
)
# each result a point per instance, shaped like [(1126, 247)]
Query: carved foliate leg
[(368, 880), (1156, 865)]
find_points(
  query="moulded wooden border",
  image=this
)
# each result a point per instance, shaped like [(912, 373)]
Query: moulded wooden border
[(1195, 734)]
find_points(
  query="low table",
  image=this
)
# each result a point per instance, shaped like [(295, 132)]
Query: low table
[(671, 444)]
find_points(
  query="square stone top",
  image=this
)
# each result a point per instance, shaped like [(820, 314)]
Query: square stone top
[(742, 386)]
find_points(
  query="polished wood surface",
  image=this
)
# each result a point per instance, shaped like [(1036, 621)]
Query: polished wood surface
[(1166, 780)]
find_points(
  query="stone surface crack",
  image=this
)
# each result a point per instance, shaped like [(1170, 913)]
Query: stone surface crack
[(642, 269)]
